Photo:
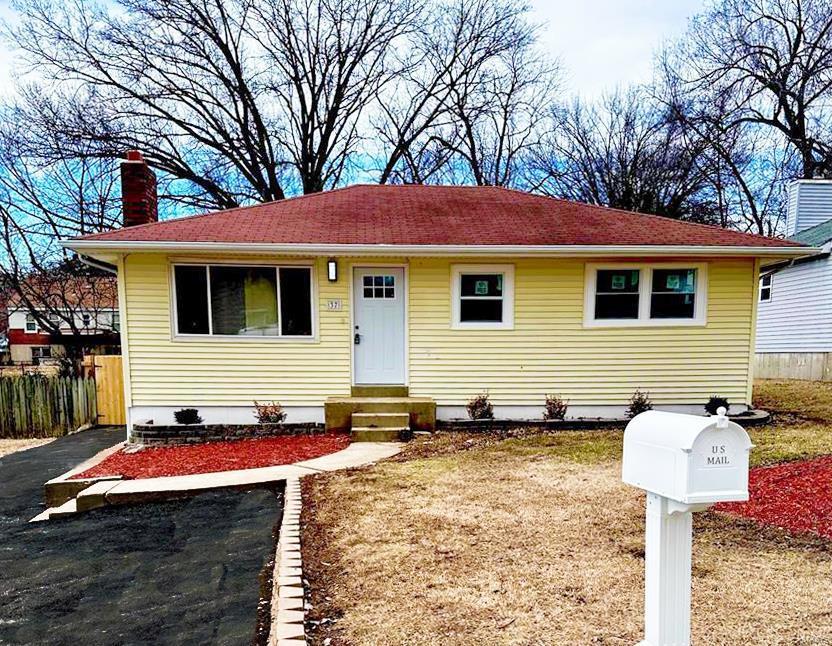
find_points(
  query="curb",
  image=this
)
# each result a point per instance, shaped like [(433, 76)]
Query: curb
[(288, 612), (62, 488)]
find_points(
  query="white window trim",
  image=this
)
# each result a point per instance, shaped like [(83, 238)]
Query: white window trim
[(211, 337), (769, 287), (645, 288), (30, 320), (508, 296)]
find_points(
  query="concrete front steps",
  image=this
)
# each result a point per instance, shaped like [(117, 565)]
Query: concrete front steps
[(380, 413), (379, 427)]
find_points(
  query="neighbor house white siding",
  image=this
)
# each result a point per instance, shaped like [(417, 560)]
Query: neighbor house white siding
[(810, 204), (798, 318)]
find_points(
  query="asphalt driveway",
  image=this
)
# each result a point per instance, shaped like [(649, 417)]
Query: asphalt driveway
[(179, 572)]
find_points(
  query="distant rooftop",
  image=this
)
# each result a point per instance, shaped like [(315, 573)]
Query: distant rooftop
[(815, 236)]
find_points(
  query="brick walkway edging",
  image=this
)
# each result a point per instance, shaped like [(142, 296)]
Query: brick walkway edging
[(288, 613)]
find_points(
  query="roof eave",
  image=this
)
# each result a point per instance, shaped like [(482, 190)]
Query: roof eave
[(95, 248)]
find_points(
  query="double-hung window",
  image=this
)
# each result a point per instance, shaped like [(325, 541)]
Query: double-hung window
[(649, 295), (232, 300), (765, 288), (31, 323), (482, 296)]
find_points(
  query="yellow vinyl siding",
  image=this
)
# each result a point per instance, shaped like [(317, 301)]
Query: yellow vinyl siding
[(548, 351), (233, 371)]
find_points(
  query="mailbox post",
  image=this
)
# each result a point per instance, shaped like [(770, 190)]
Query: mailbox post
[(685, 463)]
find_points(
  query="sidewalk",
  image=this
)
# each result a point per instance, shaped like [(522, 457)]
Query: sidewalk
[(118, 492)]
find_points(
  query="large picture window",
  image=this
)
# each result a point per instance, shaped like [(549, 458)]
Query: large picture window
[(648, 295), (254, 301), (483, 296)]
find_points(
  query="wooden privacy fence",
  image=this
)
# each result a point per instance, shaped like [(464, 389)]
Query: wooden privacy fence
[(814, 366), (37, 406), (109, 386)]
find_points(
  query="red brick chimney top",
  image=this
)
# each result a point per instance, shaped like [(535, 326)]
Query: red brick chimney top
[(138, 191)]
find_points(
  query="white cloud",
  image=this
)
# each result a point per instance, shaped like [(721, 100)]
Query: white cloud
[(601, 43), (605, 43)]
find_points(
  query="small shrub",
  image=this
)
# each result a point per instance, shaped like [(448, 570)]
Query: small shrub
[(269, 413), (480, 408), (639, 403), (716, 402), (187, 416), (555, 407)]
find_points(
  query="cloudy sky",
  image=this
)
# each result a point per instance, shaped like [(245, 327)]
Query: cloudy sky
[(600, 43)]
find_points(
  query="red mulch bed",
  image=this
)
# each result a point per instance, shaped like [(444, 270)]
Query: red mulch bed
[(154, 462), (796, 496)]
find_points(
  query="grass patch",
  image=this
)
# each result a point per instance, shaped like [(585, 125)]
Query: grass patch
[(801, 426), (583, 447), (530, 537), (502, 545)]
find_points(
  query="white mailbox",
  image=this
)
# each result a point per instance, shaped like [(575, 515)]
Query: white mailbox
[(684, 463), (687, 458)]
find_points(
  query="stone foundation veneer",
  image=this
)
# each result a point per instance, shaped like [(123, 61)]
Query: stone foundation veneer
[(158, 435)]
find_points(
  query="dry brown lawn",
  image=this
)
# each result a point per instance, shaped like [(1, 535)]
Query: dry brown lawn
[(12, 446), (534, 540)]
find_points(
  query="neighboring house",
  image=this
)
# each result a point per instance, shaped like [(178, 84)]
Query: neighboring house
[(435, 292), (794, 324), (4, 327), (96, 319)]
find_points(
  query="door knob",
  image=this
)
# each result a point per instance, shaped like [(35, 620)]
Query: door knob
[(357, 337)]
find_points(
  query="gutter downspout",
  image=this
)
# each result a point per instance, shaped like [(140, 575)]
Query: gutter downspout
[(98, 264)]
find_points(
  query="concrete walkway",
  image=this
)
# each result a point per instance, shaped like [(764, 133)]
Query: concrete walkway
[(119, 492), (142, 489)]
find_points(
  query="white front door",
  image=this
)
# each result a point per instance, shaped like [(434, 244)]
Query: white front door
[(378, 336)]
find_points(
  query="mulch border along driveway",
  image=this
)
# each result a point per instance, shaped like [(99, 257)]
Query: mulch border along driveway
[(179, 572)]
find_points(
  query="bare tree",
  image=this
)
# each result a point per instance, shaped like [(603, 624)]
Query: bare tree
[(41, 203), (745, 165), (503, 117), (763, 62), (243, 100), (464, 69), (626, 153)]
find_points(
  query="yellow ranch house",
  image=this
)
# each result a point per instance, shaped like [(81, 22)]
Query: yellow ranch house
[(431, 295)]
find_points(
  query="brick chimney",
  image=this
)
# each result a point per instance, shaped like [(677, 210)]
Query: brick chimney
[(138, 191)]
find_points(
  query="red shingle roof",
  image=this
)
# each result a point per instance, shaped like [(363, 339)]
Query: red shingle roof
[(433, 215)]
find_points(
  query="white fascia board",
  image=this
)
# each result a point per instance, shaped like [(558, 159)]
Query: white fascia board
[(94, 247)]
